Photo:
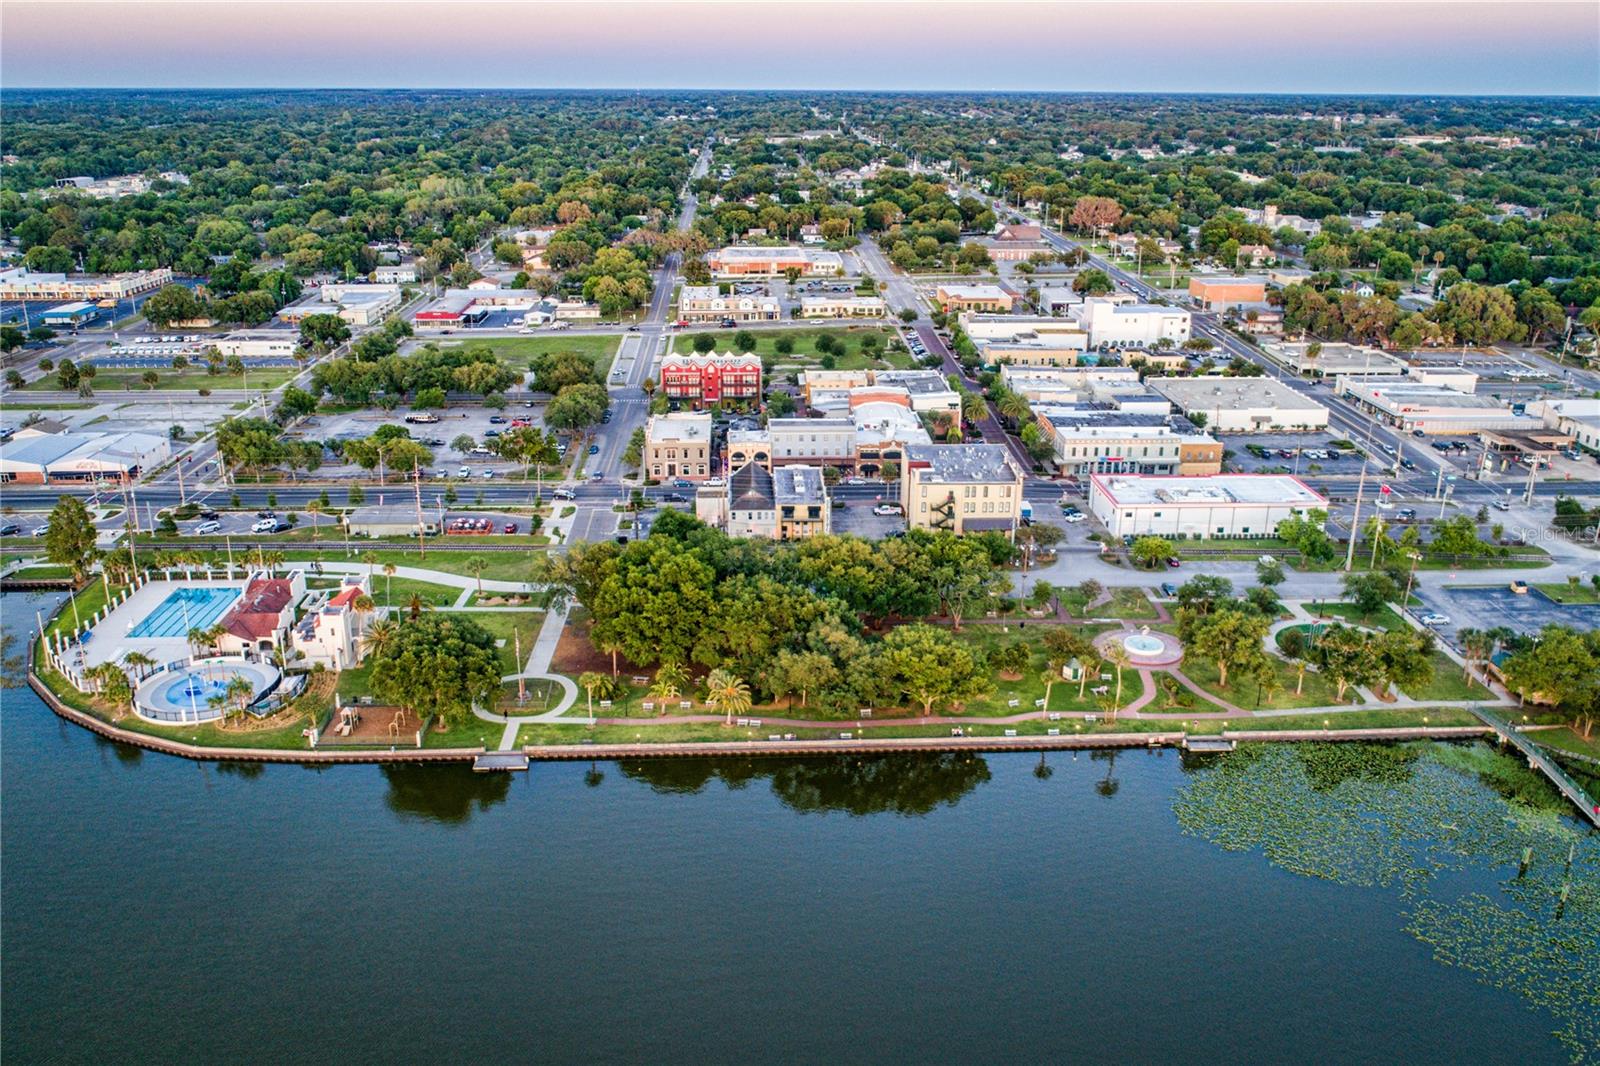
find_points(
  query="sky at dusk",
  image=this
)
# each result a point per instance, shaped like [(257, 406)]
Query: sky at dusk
[(1282, 46)]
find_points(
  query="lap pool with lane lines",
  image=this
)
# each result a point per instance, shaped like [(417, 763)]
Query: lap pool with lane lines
[(185, 609)]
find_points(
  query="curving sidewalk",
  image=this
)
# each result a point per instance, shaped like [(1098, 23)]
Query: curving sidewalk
[(537, 668)]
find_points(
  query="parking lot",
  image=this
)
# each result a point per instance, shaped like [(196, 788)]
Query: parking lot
[(1486, 608), (1314, 450), (480, 423), (856, 517)]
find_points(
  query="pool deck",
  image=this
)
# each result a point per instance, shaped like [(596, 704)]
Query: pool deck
[(110, 638)]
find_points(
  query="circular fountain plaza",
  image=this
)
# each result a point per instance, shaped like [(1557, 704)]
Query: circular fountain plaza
[(198, 691), (1144, 647)]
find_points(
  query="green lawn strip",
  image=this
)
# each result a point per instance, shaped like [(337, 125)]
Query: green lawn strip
[(90, 600), (1564, 593), (503, 566), (1028, 688), (592, 347), (805, 341), (472, 733), (397, 591), (109, 380), (1383, 618), (1317, 691), (502, 624), (1568, 740), (39, 406), (1449, 683), (42, 573), (1128, 603), (707, 732)]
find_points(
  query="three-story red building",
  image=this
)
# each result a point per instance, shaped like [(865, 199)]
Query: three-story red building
[(709, 379)]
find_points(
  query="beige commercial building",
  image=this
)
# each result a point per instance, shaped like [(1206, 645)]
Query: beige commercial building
[(677, 445), (965, 488), (1226, 505), (707, 303), (842, 307)]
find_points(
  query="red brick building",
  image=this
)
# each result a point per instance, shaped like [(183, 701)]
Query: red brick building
[(709, 379)]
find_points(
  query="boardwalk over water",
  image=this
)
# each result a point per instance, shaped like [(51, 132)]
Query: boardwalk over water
[(1540, 761)]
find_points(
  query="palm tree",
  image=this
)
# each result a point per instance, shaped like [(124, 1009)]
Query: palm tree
[(197, 640), (371, 559), (1108, 785), (591, 682), (314, 509), (380, 636), (1015, 407), (239, 690), (1479, 647), (139, 661), (363, 604), (1117, 656), (1091, 665), (476, 565), (110, 682), (730, 693), (609, 646), (416, 606), (388, 584), (1050, 675)]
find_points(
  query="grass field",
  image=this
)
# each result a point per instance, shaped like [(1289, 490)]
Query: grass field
[(503, 566), (1383, 618), (1449, 683), (598, 349), (1244, 693), (397, 591), (805, 341), (502, 624), (1129, 603), (113, 380), (1564, 593)]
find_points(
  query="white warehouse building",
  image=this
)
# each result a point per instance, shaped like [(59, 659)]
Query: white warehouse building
[(1219, 505), (1117, 324)]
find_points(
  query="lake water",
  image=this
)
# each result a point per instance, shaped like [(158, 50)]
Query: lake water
[(955, 908)]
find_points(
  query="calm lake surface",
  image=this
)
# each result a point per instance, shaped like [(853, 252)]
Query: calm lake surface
[(961, 908)]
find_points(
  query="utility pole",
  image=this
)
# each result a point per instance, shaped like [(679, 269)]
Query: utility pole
[(1533, 470), (422, 534), (1355, 520)]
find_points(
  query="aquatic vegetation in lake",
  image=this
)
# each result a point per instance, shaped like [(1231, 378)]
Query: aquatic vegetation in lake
[(1383, 815)]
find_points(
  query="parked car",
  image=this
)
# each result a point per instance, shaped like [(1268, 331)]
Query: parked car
[(487, 474), (511, 527), (42, 530), (279, 526), (263, 525), (883, 510), (207, 528), (497, 420), (463, 472), (264, 514), (594, 449), (1074, 516), (563, 494), (1435, 620), (209, 515), (673, 497), (1173, 563), (10, 529), (1168, 589)]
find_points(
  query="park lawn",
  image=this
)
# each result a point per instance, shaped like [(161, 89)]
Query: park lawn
[(47, 572), (107, 380), (1564, 593), (709, 732), (88, 601), (1567, 740), (805, 341), (472, 733), (503, 566), (1129, 603), (1384, 617), (1317, 691), (1448, 683), (397, 591), (502, 624), (354, 683), (598, 349), (988, 638)]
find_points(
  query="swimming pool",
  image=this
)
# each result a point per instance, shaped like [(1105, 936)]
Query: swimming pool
[(185, 609), (185, 693)]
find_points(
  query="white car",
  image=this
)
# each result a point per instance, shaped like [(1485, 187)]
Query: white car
[(264, 525), (886, 509), (207, 527), (1074, 516), (487, 474), (1435, 620), (463, 472), (42, 530)]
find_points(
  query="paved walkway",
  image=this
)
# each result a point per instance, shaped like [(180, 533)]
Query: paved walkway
[(537, 668), (469, 585)]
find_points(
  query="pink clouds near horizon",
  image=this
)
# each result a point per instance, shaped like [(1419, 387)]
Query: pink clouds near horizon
[(1405, 46)]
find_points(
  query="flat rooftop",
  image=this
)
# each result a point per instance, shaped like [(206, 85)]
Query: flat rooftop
[(1280, 490), (916, 382), (963, 463), (1211, 393), (679, 427)]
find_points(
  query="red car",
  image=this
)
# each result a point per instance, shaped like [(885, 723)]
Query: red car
[(511, 527), (1172, 564)]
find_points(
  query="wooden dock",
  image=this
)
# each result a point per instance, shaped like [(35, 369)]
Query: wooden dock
[(1208, 744), (1538, 760), (500, 762)]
